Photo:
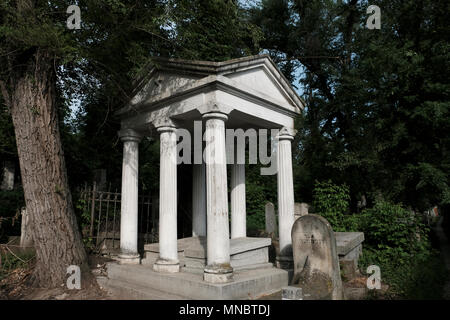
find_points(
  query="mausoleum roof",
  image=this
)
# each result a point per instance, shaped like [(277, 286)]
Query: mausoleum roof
[(254, 78)]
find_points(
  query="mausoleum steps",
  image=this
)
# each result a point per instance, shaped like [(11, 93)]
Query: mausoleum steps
[(141, 282)]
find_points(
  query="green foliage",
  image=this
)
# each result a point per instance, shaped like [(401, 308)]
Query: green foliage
[(215, 30), (377, 102), (332, 202), (419, 277), (397, 241), (395, 230), (82, 212), (255, 199)]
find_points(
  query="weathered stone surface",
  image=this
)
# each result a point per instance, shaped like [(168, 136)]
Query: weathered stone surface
[(301, 209), (316, 264), (347, 241), (245, 253), (291, 293), (152, 250), (129, 196), (349, 248), (249, 284), (271, 221)]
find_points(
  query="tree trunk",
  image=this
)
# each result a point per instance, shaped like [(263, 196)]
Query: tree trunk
[(56, 236)]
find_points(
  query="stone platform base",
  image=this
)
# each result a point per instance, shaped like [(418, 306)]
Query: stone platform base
[(141, 282), (245, 253)]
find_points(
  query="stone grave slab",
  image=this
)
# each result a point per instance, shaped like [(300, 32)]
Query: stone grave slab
[(316, 262), (245, 253), (349, 247), (151, 250), (271, 220), (301, 209)]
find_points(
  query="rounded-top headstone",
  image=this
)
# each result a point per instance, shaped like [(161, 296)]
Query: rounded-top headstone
[(316, 263)]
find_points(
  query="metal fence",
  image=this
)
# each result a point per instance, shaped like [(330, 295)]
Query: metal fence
[(100, 212)]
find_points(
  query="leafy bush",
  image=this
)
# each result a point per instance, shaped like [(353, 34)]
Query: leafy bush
[(392, 228), (332, 202), (255, 200), (397, 241)]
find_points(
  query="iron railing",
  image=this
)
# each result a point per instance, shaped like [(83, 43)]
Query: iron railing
[(100, 212)]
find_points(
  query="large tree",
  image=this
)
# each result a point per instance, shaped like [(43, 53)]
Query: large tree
[(377, 113), (44, 66), (30, 55)]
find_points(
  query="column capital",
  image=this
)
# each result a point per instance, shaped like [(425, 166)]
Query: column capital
[(215, 115), (212, 105), (130, 135), (161, 121), (286, 134), (166, 129)]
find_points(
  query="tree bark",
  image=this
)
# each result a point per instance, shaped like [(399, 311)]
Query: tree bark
[(55, 232)]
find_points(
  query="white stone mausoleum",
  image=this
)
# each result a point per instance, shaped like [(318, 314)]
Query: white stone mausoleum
[(218, 261)]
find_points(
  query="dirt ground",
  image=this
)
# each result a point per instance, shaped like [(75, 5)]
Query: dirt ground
[(15, 286)]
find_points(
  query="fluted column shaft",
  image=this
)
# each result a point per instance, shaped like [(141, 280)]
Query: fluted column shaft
[(285, 193), (129, 200), (199, 200), (168, 251), (218, 267), (238, 205)]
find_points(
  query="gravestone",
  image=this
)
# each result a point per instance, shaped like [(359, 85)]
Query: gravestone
[(300, 209), (26, 239), (271, 222), (8, 176), (316, 264)]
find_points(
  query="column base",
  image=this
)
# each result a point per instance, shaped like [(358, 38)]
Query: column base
[(166, 266), (129, 258), (221, 273)]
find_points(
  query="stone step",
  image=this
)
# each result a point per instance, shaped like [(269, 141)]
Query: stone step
[(125, 290), (246, 285)]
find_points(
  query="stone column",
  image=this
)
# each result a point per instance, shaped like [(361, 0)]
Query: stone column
[(285, 198), (129, 202), (199, 200), (168, 251), (218, 267), (238, 205)]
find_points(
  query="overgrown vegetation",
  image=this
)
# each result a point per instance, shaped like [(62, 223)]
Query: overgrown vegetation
[(396, 240), (11, 261), (376, 118), (332, 202)]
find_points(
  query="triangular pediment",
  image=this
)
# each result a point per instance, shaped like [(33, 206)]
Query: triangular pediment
[(255, 75)]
